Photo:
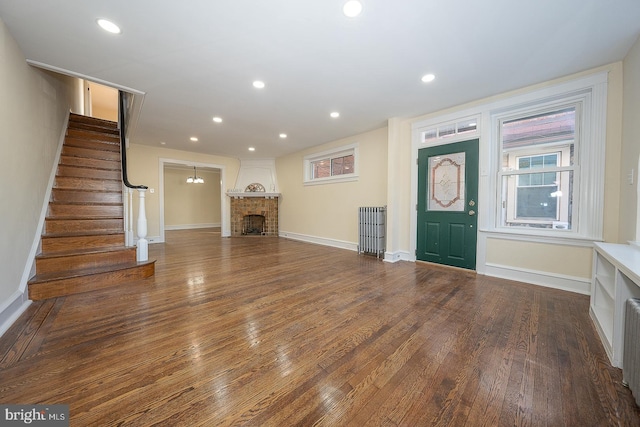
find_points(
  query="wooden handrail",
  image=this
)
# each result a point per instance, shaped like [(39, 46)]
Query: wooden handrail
[(123, 148)]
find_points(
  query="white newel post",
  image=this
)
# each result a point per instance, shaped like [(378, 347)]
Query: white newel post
[(128, 217), (143, 244)]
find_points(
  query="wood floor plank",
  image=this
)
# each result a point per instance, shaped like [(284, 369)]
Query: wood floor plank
[(275, 332)]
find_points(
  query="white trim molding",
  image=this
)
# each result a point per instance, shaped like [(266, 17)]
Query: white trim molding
[(191, 226), (398, 256), (12, 309), (30, 266), (341, 244), (562, 282)]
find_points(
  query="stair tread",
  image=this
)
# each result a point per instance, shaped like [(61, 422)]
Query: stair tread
[(84, 119), (88, 190), (114, 163), (80, 204), (113, 139), (84, 178), (85, 251), (81, 218), (81, 233), (57, 275)]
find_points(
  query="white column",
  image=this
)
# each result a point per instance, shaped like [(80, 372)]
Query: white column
[(143, 244)]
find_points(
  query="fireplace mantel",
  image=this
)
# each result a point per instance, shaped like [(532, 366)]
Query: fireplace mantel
[(243, 194)]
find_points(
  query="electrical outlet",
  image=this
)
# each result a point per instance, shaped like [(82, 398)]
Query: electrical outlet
[(630, 177)]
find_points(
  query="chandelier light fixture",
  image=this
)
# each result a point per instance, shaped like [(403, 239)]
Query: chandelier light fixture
[(195, 179)]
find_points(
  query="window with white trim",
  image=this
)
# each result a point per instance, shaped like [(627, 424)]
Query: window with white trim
[(335, 165), (537, 176), (549, 161)]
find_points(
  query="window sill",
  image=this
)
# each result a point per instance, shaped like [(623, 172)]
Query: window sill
[(332, 180), (556, 238)]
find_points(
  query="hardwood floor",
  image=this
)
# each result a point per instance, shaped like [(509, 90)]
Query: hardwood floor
[(267, 331)]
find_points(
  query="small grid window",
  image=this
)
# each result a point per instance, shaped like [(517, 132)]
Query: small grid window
[(450, 130), (329, 167), (334, 165)]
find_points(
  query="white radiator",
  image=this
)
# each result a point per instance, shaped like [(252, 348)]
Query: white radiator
[(631, 353), (371, 230)]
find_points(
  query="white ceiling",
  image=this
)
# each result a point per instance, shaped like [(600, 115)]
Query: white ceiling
[(197, 59)]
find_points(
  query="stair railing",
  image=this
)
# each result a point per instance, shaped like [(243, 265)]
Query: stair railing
[(142, 246)]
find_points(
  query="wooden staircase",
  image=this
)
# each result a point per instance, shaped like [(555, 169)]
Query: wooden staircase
[(83, 239)]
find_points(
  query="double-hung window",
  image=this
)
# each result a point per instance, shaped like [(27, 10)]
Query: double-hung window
[(538, 168), (549, 161)]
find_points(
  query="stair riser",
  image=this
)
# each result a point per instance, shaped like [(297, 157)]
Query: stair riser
[(84, 172), (74, 183), (82, 225), (88, 211), (59, 195), (76, 285), (90, 163), (59, 244), (89, 153), (94, 145), (92, 136), (75, 262)]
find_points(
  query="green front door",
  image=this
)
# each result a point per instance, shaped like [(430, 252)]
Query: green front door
[(448, 204)]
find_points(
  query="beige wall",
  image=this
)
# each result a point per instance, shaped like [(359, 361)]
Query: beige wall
[(104, 102), (630, 147), (33, 108), (144, 169), (330, 211), (191, 205)]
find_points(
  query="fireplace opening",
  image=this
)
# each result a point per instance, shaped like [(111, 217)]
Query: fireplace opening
[(253, 225)]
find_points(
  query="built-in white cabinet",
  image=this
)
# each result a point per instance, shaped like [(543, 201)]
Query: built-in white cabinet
[(616, 278)]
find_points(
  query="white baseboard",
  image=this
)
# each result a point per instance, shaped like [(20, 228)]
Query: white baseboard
[(578, 285), (320, 240), (11, 309), (191, 226), (150, 239), (398, 256)]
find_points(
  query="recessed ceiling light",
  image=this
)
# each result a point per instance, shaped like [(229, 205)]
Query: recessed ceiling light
[(283, 135), (163, 143), (252, 149), (335, 114), (428, 78), (194, 139), (258, 84), (109, 26), (217, 119), (352, 8)]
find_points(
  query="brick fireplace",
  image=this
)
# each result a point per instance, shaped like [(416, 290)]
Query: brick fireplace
[(243, 207), (254, 199)]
